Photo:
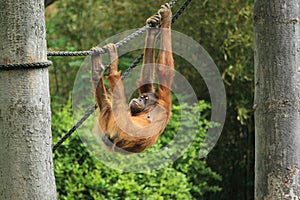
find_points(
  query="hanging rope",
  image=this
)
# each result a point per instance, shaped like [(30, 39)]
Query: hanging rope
[(124, 75)]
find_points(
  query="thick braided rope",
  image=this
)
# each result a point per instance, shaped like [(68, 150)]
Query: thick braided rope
[(73, 129), (125, 74), (102, 51), (32, 65), (140, 57)]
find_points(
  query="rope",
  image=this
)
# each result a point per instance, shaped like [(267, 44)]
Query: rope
[(32, 65), (68, 53), (140, 57), (132, 66), (124, 75), (73, 129), (102, 51)]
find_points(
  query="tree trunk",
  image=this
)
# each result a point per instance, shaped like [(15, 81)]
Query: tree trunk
[(277, 99), (26, 165)]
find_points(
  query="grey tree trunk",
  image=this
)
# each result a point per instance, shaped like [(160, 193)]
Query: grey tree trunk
[(26, 165), (277, 99)]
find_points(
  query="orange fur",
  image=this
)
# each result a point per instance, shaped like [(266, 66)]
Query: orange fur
[(137, 133)]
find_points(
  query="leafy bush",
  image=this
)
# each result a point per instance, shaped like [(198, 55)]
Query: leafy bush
[(79, 175)]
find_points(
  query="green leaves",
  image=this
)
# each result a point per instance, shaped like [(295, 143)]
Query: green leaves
[(224, 28), (80, 176)]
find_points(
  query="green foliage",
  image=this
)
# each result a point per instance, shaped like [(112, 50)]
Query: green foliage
[(226, 32), (79, 175), (81, 25), (224, 28)]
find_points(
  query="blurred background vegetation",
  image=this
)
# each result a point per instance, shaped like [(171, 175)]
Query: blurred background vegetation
[(224, 28)]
